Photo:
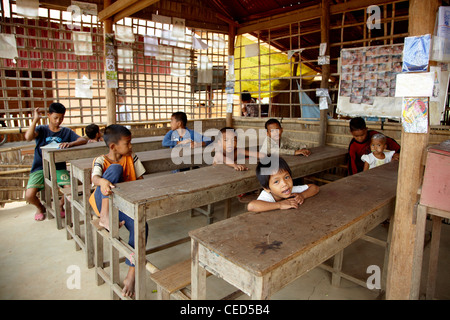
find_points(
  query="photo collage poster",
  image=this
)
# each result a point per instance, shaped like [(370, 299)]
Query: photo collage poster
[(368, 79)]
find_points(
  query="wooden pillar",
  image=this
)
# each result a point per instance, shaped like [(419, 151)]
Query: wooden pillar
[(231, 37), (324, 38), (401, 280), (110, 94)]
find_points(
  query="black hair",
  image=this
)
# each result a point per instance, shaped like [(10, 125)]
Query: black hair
[(225, 129), (272, 121), (180, 116), (245, 96), (57, 107), (114, 132), (92, 130), (357, 123), (267, 164)]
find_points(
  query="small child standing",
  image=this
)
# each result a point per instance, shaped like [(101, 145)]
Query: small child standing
[(119, 165), (44, 135), (285, 146), (279, 191), (93, 133), (379, 155), (227, 151)]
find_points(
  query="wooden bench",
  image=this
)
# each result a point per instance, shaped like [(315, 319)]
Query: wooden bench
[(148, 199), (261, 252), (52, 156)]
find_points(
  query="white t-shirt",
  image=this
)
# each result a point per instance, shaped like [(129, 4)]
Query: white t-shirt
[(375, 162), (266, 196)]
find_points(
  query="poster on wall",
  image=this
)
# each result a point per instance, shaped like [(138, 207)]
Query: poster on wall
[(368, 81)]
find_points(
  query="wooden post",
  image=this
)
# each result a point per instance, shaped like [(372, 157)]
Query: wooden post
[(401, 281), (231, 36), (324, 38), (109, 92)]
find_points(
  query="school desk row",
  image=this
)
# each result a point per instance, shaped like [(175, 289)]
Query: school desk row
[(157, 196)]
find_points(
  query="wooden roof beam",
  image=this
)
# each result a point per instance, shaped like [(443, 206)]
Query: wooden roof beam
[(114, 8)]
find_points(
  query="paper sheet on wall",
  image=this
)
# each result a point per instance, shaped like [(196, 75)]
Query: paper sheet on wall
[(125, 58), (8, 47), (165, 53), (28, 8), (415, 115), (198, 44), (416, 53), (205, 72), (82, 43), (151, 46), (414, 84), (83, 88), (251, 50), (179, 29), (124, 33), (178, 69)]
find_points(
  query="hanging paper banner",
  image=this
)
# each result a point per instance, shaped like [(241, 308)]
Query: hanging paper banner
[(416, 54), (165, 53), (82, 43), (251, 50), (198, 44), (179, 29), (205, 72), (8, 47), (125, 58), (28, 8), (151, 46), (177, 69), (83, 88), (124, 34)]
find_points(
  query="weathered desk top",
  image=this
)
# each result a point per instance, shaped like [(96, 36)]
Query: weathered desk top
[(261, 242), (212, 183), (97, 148)]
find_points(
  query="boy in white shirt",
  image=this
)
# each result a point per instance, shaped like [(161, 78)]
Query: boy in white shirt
[(279, 190)]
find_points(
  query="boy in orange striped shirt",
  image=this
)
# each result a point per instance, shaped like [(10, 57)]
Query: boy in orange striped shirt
[(119, 165)]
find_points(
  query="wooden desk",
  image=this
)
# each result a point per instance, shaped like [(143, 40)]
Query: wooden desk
[(80, 173), (52, 156), (151, 198), (260, 253)]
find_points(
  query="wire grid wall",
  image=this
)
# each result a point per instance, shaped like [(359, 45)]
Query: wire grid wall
[(158, 86), (299, 42), (47, 68)]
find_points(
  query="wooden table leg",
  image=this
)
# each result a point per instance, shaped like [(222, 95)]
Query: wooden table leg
[(434, 253), (140, 257), (198, 275), (114, 253), (418, 251)]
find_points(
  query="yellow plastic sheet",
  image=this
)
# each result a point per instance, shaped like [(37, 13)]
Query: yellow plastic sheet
[(280, 67)]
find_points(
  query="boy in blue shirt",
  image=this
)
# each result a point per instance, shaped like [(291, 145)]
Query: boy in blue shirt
[(182, 136), (44, 135)]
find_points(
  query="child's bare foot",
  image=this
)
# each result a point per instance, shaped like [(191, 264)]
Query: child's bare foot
[(128, 284)]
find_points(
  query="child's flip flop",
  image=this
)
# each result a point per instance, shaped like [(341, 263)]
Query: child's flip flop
[(39, 216)]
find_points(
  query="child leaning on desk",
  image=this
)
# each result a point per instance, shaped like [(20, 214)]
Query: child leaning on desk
[(227, 151), (279, 191), (119, 165), (285, 146), (44, 135)]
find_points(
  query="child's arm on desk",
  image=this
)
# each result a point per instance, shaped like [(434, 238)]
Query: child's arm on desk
[(80, 141), (261, 205)]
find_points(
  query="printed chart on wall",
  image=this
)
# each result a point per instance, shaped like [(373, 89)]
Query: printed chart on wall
[(367, 81)]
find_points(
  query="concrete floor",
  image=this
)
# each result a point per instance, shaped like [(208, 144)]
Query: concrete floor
[(38, 262)]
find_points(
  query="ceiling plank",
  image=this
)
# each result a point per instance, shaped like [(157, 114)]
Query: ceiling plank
[(114, 8), (136, 7)]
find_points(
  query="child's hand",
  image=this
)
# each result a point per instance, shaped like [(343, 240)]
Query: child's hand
[(240, 167), (64, 145), (396, 156), (289, 203), (105, 187), (304, 152), (298, 198), (36, 114)]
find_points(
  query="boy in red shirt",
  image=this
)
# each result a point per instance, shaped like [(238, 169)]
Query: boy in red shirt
[(360, 145)]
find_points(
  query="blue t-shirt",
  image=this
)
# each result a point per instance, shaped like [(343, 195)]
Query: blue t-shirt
[(46, 136), (172, 137)]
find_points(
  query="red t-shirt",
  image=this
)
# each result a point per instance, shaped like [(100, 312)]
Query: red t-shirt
[(357, 149)]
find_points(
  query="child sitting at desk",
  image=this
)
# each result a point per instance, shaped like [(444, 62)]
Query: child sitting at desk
[(179, 135), (93, 133), (227, 151), (279, 190), (119, 165), (379, 155), (360, 145), (284, 145), (45, 135)]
